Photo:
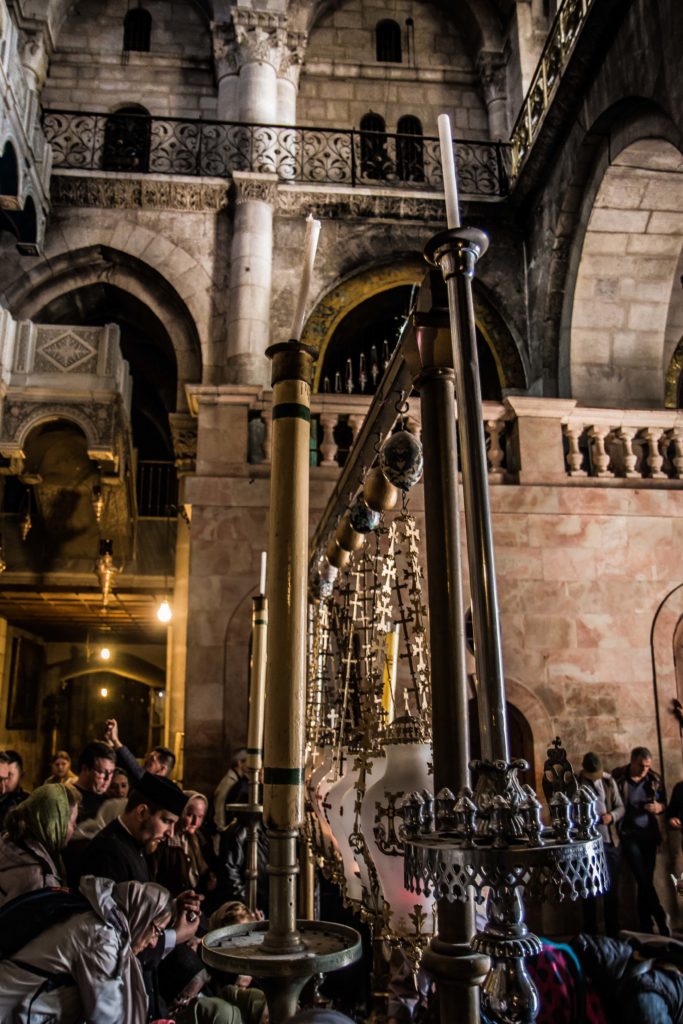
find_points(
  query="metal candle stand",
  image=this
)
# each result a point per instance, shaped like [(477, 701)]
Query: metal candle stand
[(493, 841)]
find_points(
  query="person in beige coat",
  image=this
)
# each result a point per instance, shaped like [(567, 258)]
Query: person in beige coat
[(36, 833), (95, 953)]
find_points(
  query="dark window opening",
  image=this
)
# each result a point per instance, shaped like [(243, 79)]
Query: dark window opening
[(126, 140), (388, 40), (373, 147), (409, 153), (137, 30)]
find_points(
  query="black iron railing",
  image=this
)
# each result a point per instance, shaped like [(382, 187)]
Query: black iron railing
[(136, 143), (156, 489)]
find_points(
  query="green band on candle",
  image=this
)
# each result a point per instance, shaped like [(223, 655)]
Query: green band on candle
[(283, 776), (260, 622), (254, 750), (291, 410)]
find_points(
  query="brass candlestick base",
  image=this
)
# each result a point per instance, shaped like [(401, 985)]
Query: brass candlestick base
[(238, 949)]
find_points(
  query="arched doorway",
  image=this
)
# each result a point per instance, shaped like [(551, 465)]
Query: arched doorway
[(520, 735), (89, 700), (623, 334)]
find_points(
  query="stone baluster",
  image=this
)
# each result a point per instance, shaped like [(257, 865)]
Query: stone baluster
[(626, 435), (597, 434), (494, 428), (676, 438), (355, 422), (328, 445), (573, 431), (655, 459)]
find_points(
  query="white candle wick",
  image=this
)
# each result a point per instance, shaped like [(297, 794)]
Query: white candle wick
[(450, 183), (262, 584), (310, 248)]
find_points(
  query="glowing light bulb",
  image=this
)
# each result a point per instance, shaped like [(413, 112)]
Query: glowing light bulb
[(105, 653), (104, 692), (164, 613)]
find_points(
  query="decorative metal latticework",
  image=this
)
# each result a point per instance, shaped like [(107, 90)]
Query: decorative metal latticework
[(141, 144)]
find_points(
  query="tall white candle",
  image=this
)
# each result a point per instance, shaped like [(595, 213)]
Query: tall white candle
[(262, 584), (450, 183), (310, 247)]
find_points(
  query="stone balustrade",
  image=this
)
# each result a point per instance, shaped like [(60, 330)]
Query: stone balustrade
[(529, 440)]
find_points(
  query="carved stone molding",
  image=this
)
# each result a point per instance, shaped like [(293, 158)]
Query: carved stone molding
[(184, 434), (253, 186), (143, 193), (338, 205), (257, 36), (97, 420)]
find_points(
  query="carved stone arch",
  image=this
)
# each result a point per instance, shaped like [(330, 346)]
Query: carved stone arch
[(11, 178), (666, 639), (538, 717), (354, 289), (46, 413), (673, 396), (129, 666), (618, 127), (96, 264), (477, 18)]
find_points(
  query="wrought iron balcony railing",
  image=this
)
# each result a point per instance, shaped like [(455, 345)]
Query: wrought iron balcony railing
[(559, 46), (141, 144)]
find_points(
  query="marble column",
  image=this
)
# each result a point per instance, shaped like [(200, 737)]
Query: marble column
[(251, 262), (491, 66), (257, 66)]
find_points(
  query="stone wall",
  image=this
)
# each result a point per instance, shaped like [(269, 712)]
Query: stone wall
[(342, 80), (90, 71)]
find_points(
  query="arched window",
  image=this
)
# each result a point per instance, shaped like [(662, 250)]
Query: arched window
[(388, 40), (127, 136), (409, 154), (137, 30), (373, 147)]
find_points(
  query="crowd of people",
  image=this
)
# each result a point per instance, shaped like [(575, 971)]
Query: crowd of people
[(110, 874)]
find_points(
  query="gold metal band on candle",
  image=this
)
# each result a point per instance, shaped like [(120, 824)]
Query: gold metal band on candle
[(257, 693)]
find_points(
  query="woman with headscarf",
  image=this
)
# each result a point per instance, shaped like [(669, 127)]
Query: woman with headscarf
[(35, 834), (94, 956), (179, 863)]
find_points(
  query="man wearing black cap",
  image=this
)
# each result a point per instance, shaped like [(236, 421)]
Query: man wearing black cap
[(118, 851)]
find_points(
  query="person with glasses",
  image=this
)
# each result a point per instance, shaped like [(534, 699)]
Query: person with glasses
[(95, 770), (89, 967)]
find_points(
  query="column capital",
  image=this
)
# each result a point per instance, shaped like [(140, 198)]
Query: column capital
[(491, 67), (257, 37), (252, 185)]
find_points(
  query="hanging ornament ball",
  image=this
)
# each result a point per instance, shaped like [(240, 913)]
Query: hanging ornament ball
[(362, 518), (378, 493), (335, 555), (348, 538), (401, 461)]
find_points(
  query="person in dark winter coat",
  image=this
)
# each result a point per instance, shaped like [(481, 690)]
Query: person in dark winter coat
[(644, 801), (638, 982)]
